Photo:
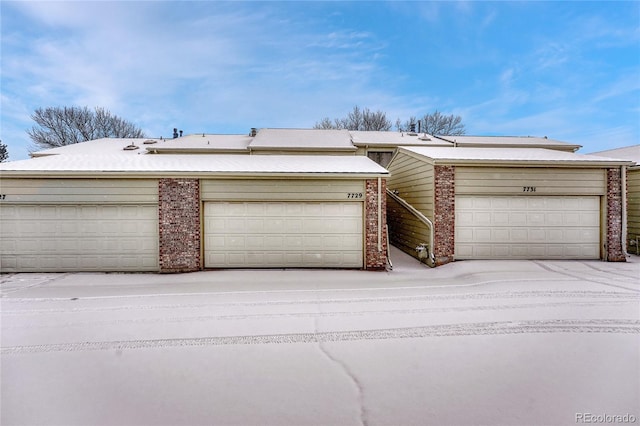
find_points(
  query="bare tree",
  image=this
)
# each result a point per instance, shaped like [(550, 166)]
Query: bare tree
[(4, 153), (357, 119), (440, 124), (365, 119), (328, 124), (60, 126)]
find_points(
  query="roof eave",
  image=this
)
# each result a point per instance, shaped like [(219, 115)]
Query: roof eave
[(302, 149), (530, 163), (24, 174), (559, 147)]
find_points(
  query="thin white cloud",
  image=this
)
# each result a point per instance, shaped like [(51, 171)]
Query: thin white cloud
[(626, 85)]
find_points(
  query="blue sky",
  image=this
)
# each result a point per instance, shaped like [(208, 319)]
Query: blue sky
[(566, 70)]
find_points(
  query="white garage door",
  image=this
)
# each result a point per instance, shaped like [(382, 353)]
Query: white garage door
[(49, 238), (283, 234), (542, 227)]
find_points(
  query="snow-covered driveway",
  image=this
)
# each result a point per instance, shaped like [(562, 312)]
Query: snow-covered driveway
[(500, 342)]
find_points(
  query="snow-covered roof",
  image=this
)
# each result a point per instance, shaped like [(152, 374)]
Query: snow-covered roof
[(180, 164), (509, 142), (525, 156), (192, 143), (97, 147), (393, 139), (203, 142), (302, 139), (628, 153)]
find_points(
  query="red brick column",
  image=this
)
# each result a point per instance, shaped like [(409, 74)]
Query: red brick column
[(374, 259), (179, 224), (444, 214), (615, 251)]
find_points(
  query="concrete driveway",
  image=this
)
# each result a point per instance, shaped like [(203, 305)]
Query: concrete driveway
[(496, 342)]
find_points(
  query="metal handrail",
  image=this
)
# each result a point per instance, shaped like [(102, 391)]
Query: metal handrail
[(421, 217)]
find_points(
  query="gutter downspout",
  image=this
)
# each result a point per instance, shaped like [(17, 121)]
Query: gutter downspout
[(379, 214), (423, 219), (623, 190)]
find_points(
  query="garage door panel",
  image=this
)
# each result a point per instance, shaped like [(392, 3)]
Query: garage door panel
[(295, 242), (333, 210), (465, 203), (521, 235), (482, 218), (537, 227), (557, 235), (497, 204), (501, 235), (481, 235), (293, 226), (271, 242), (536, 235), (290, 234), (501, 219), (517, 219), (590, 219), (558, 219), (352, 209)]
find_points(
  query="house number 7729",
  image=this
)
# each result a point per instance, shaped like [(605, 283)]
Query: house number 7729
[(528, 189)]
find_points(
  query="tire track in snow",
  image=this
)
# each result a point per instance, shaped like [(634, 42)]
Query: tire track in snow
[(326, 314), (380, 299), (609, 326), (271, 292), (568, 273), (4, 292), (632, 278)]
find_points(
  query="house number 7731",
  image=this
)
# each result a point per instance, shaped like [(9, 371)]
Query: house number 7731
[(528, 189)]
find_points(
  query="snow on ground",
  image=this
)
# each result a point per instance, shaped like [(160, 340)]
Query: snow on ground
[(493, 342)]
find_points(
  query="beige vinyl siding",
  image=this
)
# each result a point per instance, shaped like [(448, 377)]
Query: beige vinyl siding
[(283, 190), (413, 179), (633, 207), (546, 181), (79, 191)]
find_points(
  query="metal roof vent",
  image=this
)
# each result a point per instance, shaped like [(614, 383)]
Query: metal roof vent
[(149, 142), (131, 147)]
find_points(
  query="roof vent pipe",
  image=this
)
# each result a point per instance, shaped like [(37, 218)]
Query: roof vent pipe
[(254, 132), (175, 132), (180, 133)]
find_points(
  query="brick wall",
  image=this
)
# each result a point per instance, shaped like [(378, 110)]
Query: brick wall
[(375, 259), (444, 214), (179, 225), (613, 245)]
